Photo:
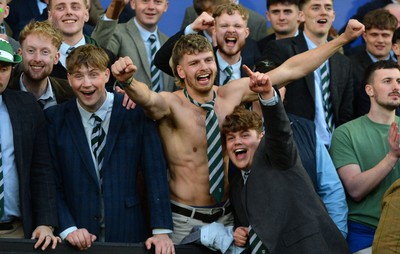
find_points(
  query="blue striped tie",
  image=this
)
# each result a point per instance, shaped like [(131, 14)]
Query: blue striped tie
[(256, 245), (326, 95), (155, 72), (214, 148), (98, 143), (1, 185)]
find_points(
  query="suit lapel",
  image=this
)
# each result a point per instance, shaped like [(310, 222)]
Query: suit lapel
[(16, 123), (334, 74), (74, 122), (134, 33), (166, 78), (300, 46), (118, 114)]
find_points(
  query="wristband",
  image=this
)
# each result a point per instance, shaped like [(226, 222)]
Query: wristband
[(125, 84)]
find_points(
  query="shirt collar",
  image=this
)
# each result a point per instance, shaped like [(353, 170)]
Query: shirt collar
[(374, 59), (101, 112), (222, 64), (64, 46), (145, 34), (48, 93)]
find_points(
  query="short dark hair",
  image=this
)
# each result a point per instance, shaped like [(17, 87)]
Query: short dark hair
[(379, 65), (380, 19), (304, 2), (286, 2), (396, 36)]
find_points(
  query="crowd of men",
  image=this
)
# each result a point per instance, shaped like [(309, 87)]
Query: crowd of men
[(222, 135)]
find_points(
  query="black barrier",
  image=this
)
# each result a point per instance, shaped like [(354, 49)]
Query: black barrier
[(12, 246)]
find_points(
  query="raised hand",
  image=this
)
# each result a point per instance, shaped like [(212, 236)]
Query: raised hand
[(123, 69), (259, 83), (202, 22), (393, 139), (353, 30)]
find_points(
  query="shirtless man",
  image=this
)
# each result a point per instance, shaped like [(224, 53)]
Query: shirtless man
[(182, 124)]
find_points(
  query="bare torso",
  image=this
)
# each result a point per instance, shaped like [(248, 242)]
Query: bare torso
[(184, 138)]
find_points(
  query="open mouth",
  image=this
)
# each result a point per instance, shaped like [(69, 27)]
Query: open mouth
[(322, 21), (230, 41), (203, 77), (88, 93), (240, 153)]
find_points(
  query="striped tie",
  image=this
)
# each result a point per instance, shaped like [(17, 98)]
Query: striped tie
[(1, 186), (214, 149), (155, 72), (97, 142), (228, 70), (69, 50), (256, 245), (326, 95)]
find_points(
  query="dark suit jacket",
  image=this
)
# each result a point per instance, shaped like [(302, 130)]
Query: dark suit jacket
[(278, 199), (256, 23), (300, 94), (61, 88), (264, 41), (360, 62), (32, 159), (21, 13), (132, 145), (249, 53)]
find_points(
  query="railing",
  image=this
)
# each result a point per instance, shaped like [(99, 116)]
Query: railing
[(13, 246)]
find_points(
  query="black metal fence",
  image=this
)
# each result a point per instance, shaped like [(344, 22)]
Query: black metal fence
[(12, 246)]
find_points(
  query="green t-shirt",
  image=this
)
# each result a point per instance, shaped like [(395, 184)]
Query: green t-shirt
[(364, 143)]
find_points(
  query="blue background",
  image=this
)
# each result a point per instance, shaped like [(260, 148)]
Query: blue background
[(171, 21)]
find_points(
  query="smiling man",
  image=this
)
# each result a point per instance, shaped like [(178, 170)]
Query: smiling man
[(274, 200), (326, 95), (98, 149), (233, 47), (285, 17), (379, 29), (69, 16), (367, 175), (197, 198), (139, 38), (39, 49)]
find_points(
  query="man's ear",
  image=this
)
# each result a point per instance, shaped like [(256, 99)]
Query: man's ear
[(180, 72), (369, 90)]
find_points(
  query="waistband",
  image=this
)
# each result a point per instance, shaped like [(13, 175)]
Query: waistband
[(206, 215)]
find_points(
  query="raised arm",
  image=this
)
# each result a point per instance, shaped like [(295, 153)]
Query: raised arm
[(155, 104), (300, 65)]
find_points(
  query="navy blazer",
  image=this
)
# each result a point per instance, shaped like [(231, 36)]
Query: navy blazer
[(300, 94), (32, 159), (132, 144), (278, 199)]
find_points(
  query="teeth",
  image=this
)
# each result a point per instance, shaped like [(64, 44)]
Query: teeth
[(240, 150), (204, 76), (69, 21)]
